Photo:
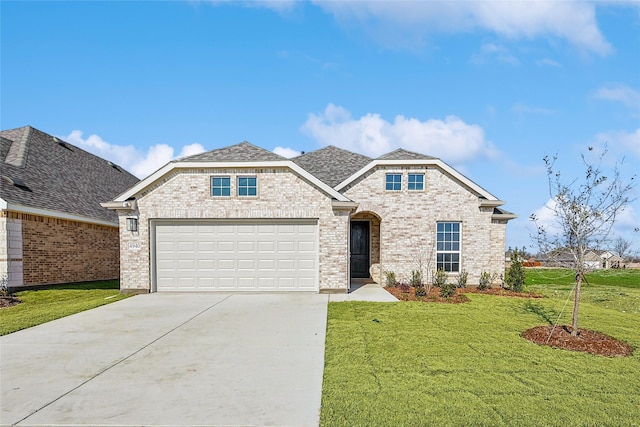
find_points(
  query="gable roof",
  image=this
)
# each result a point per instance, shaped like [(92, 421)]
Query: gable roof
[(45, 175), (332, 165), (243, 152), (402, 154), (244, 155)]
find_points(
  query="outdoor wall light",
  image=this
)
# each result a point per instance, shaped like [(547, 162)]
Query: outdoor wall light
[(132, 224)]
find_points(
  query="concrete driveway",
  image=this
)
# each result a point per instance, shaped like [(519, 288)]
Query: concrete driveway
[(171, 359)]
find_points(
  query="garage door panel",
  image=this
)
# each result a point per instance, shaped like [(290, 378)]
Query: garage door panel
[(227, 256)]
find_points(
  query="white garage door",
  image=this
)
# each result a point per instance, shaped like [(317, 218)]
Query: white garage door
[(236, 256)]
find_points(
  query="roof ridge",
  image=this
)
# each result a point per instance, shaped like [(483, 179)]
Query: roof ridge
[(243, 151), (17, 154)]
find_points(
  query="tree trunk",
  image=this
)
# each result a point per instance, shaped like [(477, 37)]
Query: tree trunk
[(576, 304)]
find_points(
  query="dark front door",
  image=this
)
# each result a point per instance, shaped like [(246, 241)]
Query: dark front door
[(360, 249)]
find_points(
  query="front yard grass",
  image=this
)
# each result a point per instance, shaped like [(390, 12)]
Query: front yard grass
[(43, 305), (414, 363)]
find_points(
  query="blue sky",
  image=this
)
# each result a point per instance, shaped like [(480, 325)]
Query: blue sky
[(489, 87)]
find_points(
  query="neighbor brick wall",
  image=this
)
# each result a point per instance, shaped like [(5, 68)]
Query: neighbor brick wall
[(186, 194), (57, 250), (408, 222)]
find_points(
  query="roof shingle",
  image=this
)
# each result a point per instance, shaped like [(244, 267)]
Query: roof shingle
[(402, 154), (331, 165), (58, 176), (243, 152)]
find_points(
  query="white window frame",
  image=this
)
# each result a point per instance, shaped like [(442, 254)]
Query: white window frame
[(247, 187), (448, 248), (221, 187), (409, 182), (393, 183)]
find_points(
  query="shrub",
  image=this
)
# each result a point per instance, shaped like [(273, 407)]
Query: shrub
[(416, 278), (515, 273), (403, 287), (461, 281), (447, 290), (420, 290), (439, 278), (4, 287), (390, 279), (485, 280)]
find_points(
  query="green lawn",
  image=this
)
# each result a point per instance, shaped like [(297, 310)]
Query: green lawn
[(414, 364), (44, 305)]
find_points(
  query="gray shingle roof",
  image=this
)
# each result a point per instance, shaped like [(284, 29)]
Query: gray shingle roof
[(57, 176), (331, 165), (401, 154), (243, 152)]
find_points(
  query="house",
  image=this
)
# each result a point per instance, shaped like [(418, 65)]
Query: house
[(598, 259), (242, 218), (52, 226)]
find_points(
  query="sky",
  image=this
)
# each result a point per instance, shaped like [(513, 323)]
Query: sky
[(490, 87)]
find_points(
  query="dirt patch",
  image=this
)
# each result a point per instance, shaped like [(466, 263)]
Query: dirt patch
[(9, 301), (586, 341)]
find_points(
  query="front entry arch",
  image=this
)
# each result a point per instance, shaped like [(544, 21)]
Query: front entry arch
[(364, 244)]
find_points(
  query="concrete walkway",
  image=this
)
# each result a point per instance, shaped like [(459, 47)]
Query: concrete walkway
[(364, 291), (171, 359)]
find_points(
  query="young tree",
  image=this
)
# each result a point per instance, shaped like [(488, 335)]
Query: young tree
[(515, 274), (584, 212)]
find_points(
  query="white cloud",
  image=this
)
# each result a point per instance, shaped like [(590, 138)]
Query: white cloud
[(451, 139), (280, 6), (400, 23), (286, 152), (547, 219), (549, 63), (127, 156), (620, 93), (621, 143), (490, 51)]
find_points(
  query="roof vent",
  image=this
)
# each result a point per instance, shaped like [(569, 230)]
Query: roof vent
[(113, 165), (62, 143), (16, 182)]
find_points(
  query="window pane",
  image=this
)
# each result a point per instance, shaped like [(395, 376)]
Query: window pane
[(393, 182), (416, 182), (448, 237), (220, 186), (247, 186)]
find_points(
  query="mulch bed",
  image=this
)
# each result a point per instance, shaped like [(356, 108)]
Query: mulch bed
[(586, 341), (459, 297), (9, 301), (432, 296)]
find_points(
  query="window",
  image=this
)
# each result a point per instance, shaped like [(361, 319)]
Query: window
[(394, 182), (247, 186), (221, 186), (448, 246), (416, 181)]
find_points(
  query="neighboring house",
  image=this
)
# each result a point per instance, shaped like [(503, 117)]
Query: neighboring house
[(52, 227), (242, 218), (599, 259)]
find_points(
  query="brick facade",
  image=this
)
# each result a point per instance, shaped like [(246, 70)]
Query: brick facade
[(43, 250), (407, 235), (186, 194)]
